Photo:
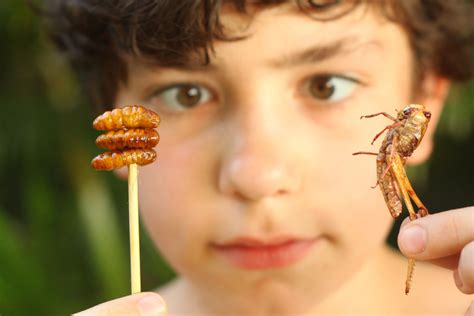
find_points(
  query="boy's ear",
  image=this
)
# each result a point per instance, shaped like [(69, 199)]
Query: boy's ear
[(122, 173), (434, 90)]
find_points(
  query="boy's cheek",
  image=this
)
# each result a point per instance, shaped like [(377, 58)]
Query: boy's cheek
[(353, 210), (121, 173), (422, 153)]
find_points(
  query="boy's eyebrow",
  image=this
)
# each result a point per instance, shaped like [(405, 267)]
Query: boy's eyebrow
[(321, 52), (309, 55), (196, 67)]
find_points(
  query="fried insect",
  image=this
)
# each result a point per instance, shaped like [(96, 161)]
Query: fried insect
[(133, 116), (401, 140), (132, 138), (117, 159)]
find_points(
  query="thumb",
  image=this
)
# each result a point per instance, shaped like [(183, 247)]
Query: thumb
[(141, 304)]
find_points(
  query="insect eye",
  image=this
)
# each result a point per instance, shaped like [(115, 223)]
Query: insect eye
[(427, 114), (407, 111)]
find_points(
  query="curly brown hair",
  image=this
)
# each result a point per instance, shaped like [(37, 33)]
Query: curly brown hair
[(95, 35)]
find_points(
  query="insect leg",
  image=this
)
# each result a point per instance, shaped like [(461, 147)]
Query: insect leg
[(400, 176), (410, 269), (386, 128), (422, 210), (367, 153), (398, 170), (391, 153), (364, 153), (395, 206), (379, 113), (384, 174)]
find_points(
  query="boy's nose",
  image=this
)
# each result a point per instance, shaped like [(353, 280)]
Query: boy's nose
[(251, 177), (258, 163)]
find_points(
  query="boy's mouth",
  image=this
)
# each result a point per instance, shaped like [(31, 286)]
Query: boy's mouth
[(253, 253)]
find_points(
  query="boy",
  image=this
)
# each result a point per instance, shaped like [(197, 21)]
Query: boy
[(255, 199)]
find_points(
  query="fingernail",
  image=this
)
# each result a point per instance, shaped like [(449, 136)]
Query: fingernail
[(457, 279), (413, 240), (151, 305)]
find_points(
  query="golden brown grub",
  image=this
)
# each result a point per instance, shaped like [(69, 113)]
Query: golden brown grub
[(133, 116), (117, 159), (132, 138)]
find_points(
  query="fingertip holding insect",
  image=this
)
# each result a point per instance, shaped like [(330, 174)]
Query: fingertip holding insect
[(412, 240), (405, 222)]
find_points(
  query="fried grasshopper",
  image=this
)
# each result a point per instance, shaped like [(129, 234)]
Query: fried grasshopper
[(401, 140)]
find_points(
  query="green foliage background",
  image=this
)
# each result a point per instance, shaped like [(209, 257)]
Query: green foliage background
[(63, 226)]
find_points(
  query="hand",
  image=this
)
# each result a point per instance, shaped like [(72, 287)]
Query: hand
[(142, 304), (445, 239)]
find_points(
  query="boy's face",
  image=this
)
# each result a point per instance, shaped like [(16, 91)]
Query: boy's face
[(255, 191)]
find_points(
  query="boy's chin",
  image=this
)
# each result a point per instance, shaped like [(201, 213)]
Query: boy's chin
[(274, 298), (288, 291)]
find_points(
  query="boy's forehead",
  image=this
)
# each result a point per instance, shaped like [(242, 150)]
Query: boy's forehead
[(282, 36)]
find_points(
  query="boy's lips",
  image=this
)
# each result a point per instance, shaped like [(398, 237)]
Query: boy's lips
[(254, 253)]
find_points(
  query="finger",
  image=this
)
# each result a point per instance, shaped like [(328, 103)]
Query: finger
[(405, 222), (450, 262), (464, 275), (149, 304), (438, 235), (470, 310)]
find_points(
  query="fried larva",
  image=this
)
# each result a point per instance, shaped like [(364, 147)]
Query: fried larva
[(117, 159), (132, 138), (134, 116)]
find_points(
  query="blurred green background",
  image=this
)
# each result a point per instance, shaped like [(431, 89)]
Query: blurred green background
[(64, 227)]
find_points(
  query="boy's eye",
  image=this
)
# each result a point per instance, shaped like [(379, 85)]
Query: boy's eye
[(181, 97), (331, 88)]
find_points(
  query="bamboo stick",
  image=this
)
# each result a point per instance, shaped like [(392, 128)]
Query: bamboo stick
[(134, 228)]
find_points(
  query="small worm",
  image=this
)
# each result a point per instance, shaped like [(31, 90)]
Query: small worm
[(117, 159), (132, 138), (133, 116)]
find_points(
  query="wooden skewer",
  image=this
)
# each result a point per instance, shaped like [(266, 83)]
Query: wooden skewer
[(134, 228), (129, 138)]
